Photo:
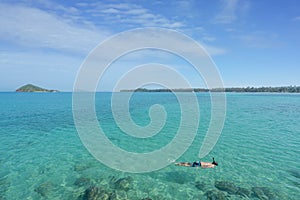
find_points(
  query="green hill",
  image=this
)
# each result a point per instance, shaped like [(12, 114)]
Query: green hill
[(33, 88)]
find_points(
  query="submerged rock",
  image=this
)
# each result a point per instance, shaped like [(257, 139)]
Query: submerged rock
[(243, 192), (263, 193), (269, 193), (78, 168), (215, 195), (159, 197), (259, 193), (82, 181), (124, 183), (226, 186), (118, 195), (44, 188), (96, 193), (200, 185)]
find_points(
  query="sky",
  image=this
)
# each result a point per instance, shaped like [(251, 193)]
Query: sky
[(252, 43)]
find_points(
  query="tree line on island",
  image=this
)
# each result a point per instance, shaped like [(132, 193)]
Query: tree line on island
[(283, 89)]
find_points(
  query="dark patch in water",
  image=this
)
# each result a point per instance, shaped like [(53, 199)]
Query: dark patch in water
[(263, 193), (44, 188), (226, 186), (95, 193), (215, 195), (118, 195), (159, 197), (243, 192), (179, 177), (200, 185), (295, 173), (297, 184), (79, 168), (82, 182), (98, 193), (123, 183)]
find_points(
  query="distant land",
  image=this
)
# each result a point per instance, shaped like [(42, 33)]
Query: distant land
[(33, 88), (283, 89)]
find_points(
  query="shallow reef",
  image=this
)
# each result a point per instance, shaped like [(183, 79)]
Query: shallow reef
[(230, 189), (44, 188)]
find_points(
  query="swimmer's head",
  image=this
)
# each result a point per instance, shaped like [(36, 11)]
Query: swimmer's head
[(214, 162)]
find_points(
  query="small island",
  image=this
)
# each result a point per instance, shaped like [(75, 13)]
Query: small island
[(33, 88)]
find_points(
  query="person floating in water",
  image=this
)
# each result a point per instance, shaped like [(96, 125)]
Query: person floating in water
[(198, 164)]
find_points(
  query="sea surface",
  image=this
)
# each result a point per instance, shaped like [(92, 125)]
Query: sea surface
[(42, 156)]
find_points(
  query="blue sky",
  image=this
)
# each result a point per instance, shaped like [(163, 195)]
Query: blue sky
[(253, 43)]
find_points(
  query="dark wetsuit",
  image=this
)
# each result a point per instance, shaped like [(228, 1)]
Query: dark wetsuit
[(196, 164)]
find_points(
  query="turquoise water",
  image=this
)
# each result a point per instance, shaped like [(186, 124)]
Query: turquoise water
[(42, 157)]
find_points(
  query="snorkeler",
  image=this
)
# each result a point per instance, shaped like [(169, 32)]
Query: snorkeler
[(198, 164)]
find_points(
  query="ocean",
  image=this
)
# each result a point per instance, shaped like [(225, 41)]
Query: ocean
[(42, 156)]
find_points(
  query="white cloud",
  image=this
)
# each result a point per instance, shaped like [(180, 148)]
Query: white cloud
[(71, 30), (77, 29), (137, 11), (33, 27), (209, 38), (37, 28), (129, 15), (111, 11), (230, 30), (260, 39), (199, 28), (296, 18), (152, 45), (230, 10)]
